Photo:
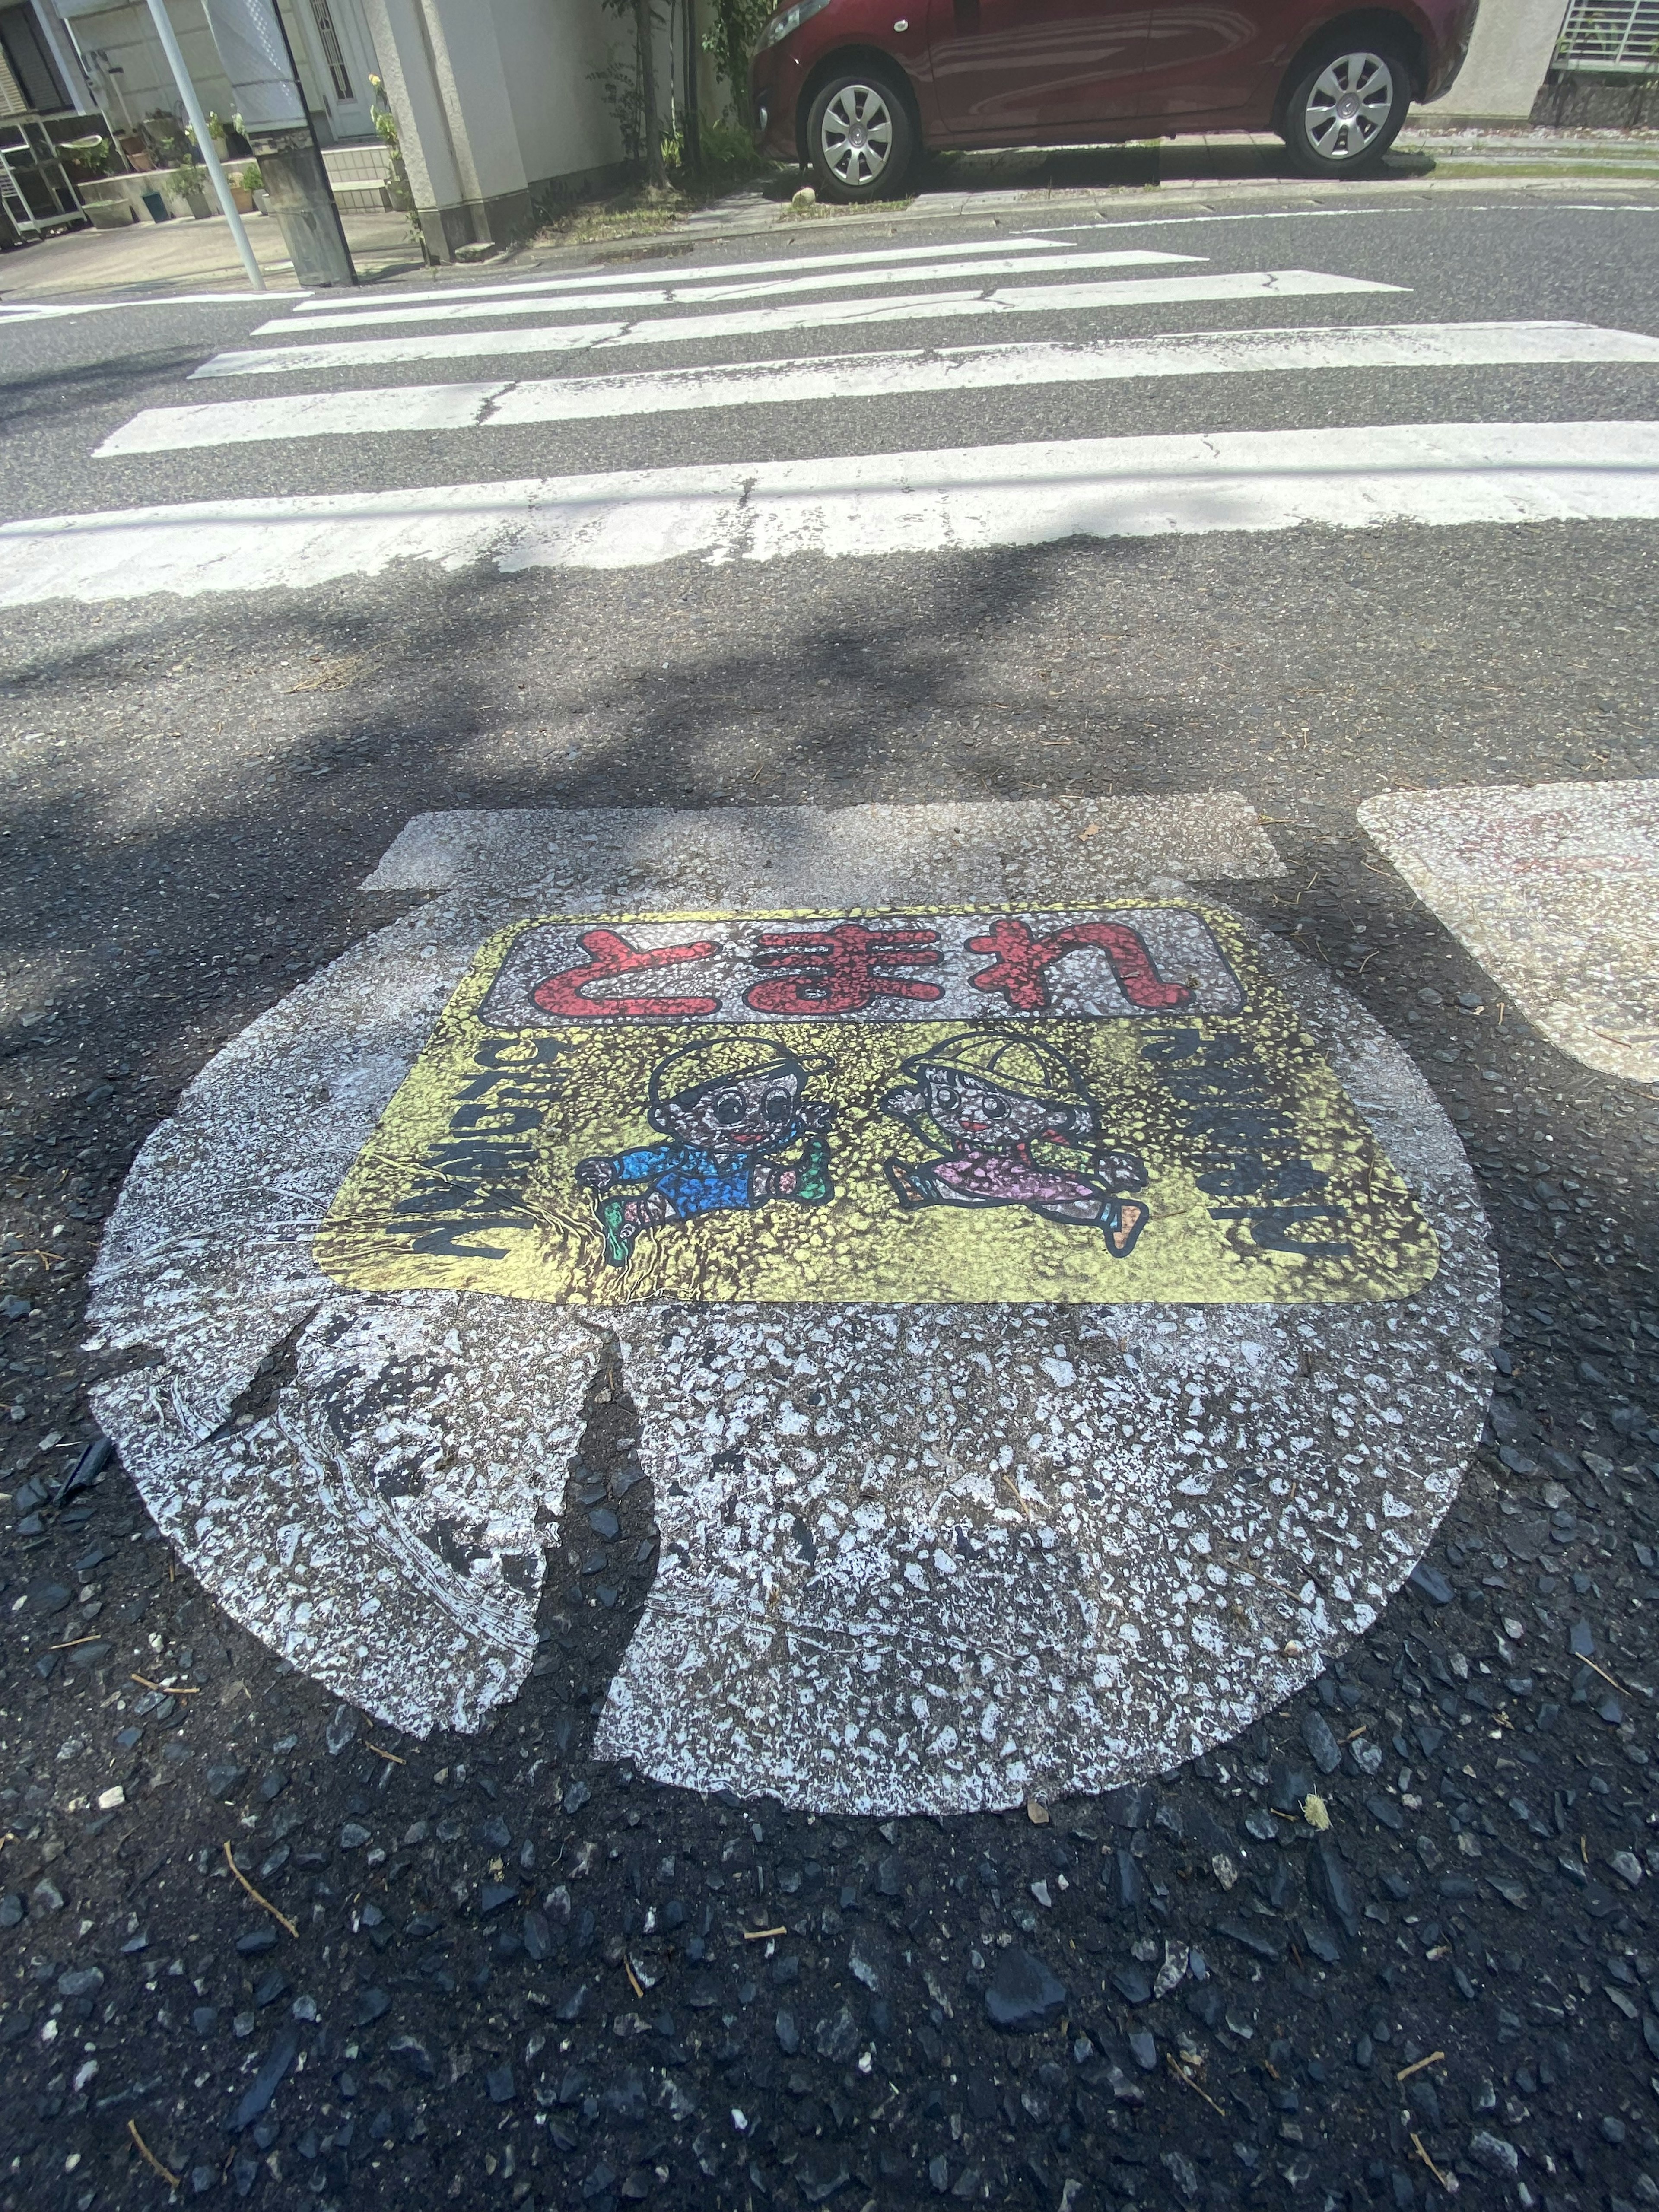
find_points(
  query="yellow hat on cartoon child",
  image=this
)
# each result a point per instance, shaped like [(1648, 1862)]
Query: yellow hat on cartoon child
[(727, 1057), (1029, 1070)]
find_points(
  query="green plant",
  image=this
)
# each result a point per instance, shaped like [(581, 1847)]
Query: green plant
[(398, 189), (629, 90), (730, 39), (189, 180), (168, 140), (618, 84), (86, 157), (726, 155), (250, 179), (728, 150)]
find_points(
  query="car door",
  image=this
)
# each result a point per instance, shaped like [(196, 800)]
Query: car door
[(1016, 68), (1205, 56)]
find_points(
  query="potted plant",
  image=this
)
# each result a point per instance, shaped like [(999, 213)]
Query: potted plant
[(189, 180), (246, 187), (86, 158)]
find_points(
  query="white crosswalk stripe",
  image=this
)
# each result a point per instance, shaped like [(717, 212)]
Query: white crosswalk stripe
[(361, 316), (935, 495), (859, 376), (711, 272), (761, 322), (867, 505)]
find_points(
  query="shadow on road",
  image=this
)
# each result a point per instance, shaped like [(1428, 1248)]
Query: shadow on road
[(1244, 158)]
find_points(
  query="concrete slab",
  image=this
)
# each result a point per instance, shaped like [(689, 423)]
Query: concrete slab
[(832, 856), (915, 1555), (1554, 889)]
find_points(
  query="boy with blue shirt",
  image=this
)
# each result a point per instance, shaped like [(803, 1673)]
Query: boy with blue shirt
[(726, 1106)]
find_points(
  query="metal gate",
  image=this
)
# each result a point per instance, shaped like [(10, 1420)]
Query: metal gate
[(1620, 35), (35, 192)]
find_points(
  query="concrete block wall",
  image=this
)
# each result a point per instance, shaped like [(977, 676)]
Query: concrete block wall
[(1509, 58), (498, 116)]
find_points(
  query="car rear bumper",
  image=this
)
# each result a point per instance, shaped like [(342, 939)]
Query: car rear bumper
[(1446, 60)]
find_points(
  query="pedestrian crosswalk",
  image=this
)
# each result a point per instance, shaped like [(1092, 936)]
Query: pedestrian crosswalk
[(386, 408), (1117, 292), (861, 506), (1118, 314), (694, 293)]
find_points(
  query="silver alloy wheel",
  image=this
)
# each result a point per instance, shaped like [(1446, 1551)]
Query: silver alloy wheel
[(856, 135), (1350, 104)]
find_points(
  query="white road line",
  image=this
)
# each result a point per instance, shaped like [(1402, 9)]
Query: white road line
[(712, 271), (860, 504), (348, 414), (686, 330), (44, 310), (684, 296), (866, 376)]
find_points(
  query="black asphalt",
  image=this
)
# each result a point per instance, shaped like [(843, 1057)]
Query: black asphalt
[(194, 789)]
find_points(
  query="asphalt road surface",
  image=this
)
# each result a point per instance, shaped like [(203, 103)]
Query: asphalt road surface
[(1313, 500)]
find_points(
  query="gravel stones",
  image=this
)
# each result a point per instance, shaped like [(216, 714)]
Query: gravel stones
[(1494, 2154), (255, 2100), (835, 2037), (1317, 1735), (1023, 1994)]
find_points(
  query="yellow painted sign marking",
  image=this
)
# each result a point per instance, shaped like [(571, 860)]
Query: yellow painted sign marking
[(917, 1107)]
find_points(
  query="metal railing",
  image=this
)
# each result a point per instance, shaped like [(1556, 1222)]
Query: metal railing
[(1616, 35)]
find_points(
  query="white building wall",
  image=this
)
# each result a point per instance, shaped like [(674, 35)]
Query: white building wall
[(496, 106), (549, 47), (1514, 42)]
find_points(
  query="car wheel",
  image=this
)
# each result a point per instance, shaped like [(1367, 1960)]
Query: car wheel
[(1346, 108), (859, 142)]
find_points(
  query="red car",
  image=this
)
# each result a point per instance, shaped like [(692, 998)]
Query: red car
[(852, 88)]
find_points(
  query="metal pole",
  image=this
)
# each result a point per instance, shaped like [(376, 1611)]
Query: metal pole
[(693, 119), (256, 276)]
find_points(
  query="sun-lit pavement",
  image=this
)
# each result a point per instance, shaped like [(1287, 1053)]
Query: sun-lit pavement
[(186, 252)]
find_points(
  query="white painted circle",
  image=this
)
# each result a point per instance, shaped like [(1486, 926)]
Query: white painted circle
[(1089, 1591)]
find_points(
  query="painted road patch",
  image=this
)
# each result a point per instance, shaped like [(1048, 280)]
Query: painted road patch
[(914, 1555), (917, 1107), (1554, 889)]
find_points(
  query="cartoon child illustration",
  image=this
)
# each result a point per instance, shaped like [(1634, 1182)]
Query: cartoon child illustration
[(727, 1107), (999, 1109)]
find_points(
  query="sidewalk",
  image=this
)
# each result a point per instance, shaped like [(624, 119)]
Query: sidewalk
[(187, 254)]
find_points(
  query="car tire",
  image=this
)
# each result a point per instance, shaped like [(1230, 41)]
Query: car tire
[(1345, 107), (860, 142)]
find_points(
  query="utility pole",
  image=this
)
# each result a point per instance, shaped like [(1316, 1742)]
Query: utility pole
[(253, 46), (204, 146), (693, 118)]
